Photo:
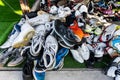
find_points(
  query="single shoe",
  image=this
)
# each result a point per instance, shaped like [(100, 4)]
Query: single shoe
[(63, 11), (27, 70), (77, 31), (12, 36), (42, 18), (64, 33), (113, 67), (17, 59), (60, 58), (99, 50), (27, 32), (111, 52), (53, 9), (91, 7), (50, 51), (76, 55), (37, 40), (38, 75), (108, 33), (115, 43), (84, 51), (5, 55)]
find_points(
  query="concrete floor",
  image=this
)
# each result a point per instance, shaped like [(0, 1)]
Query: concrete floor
[(65, 74)]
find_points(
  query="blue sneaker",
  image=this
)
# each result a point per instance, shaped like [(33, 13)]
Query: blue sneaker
[(115, 43), (60, 57), (38, 75), (39, 70)]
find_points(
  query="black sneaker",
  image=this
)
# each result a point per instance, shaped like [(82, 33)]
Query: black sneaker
[(27, 70), (65, 33)]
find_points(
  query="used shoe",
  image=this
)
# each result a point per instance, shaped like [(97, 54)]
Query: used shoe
[(17, 59), (49, 53), (60, 58), (15, 32), (24, 36), (27, 70)]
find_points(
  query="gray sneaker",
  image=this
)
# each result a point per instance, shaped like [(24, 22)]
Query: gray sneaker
[(4, 56), (17, 59)]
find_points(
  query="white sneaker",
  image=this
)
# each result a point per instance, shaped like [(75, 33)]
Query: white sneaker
[(63, 12), (27, 32), (15, 32), (84, 51), (77, 56), (99, 50), (40, 19), (37, 40), (53, 10)]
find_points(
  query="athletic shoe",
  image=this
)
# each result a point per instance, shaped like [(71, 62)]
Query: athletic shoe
[(111, 52), (83, 8), (115, 43), (99, 50), (117, 32), (60, 58), (5, 55), (24, 36), (42, 18), (64, 33), (63, 12), (76, 55), (84, 51), (39, 70), (15, 32), (113, 67), (37, 40), (98, 31), (91, 7), (77, 31), (108, 33), (17, 59), (53, 10), (38, 75), (50, 50), (27, 70)]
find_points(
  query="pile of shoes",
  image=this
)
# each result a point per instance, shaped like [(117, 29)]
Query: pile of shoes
[(43, 38)]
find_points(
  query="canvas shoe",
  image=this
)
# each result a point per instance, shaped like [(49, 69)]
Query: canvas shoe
[(113, 67), (27, 32), (115, 43), (108, 33), (27, 70), (84, 51), (64, 33), (17, 59), (12, 36), (37, 40), (49, 53), (76, 55), (60, 58), (42, 18)]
